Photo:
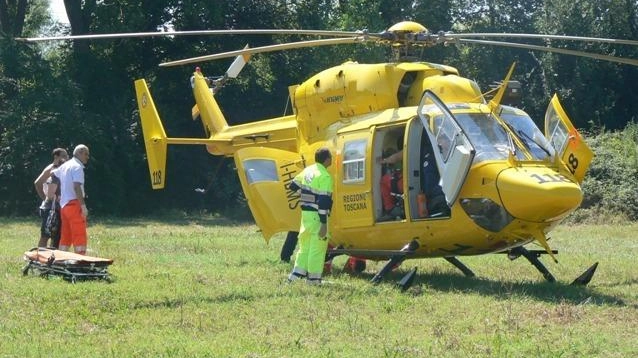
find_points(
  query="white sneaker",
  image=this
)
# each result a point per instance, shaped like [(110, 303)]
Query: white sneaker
[(294, 276)]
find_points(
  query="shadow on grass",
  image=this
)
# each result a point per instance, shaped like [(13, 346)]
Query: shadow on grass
[(195, 299), (176, 218), (543, 291), (180, 220)]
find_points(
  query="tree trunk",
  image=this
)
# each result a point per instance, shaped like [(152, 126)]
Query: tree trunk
[(80, 19), (12, 26)]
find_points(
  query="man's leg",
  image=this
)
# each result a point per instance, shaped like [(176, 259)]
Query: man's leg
[(301, 261), (316, 258), (44, 214), (289, 246), (55, 238), (65, 228), (77, 222), (316, 253)]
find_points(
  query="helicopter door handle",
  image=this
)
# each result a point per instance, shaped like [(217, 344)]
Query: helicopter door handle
[(254, 137)]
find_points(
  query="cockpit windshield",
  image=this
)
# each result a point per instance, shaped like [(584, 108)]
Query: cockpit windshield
[(490, 140), (529, 134)]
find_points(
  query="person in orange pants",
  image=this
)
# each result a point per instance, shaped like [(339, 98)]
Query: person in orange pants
[(70, 178)]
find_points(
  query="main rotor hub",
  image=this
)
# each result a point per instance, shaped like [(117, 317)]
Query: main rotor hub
[(407, 27), (404, 37)]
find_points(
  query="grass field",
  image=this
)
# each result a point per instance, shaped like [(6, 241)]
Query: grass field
[(206, 287)]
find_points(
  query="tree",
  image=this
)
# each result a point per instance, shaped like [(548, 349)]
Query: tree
[(12, 16)]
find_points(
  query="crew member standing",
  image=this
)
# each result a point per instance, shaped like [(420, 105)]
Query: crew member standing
[(70, 178), (50, 201), (316, 201)]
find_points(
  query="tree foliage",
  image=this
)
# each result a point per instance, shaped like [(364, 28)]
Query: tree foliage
[(82, 92)]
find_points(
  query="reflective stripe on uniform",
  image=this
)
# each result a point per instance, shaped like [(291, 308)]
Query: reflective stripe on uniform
[(307, 198)]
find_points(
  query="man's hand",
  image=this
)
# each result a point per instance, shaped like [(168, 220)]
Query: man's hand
[(323, 231), (85, 211)]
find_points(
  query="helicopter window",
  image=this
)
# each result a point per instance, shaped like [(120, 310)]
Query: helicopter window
[(529, 134), (555, 130), (444, 133), (260, 170), (354, 155), (488, 137)]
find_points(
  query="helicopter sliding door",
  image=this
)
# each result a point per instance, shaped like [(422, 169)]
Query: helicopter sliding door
[(455, 153), (353, 180), (265, 175), (568, 143)]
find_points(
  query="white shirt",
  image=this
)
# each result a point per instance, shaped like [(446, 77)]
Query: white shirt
[(72, 171)]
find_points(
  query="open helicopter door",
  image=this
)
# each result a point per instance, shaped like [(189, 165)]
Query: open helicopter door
[(265, 175), (455, 153), (568, 143)]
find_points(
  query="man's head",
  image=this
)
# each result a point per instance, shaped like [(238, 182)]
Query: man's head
[(323, 156), (59, 156), (82, 153)]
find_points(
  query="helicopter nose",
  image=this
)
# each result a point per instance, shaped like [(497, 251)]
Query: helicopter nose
[(537, 194)]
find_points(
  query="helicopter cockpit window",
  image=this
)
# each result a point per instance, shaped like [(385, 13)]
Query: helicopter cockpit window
[(260, 170), (354, 156), (528, 132), (490, 140), (444, 133), (556, 131)]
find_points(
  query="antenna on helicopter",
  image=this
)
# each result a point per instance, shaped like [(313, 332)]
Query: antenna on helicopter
[(512, 95)]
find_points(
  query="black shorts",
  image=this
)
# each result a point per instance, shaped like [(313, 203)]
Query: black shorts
[(44, 215)]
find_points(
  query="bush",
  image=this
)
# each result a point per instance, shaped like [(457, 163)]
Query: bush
[(611, 185)]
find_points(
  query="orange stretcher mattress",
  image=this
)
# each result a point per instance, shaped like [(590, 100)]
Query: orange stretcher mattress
[(69, 265)]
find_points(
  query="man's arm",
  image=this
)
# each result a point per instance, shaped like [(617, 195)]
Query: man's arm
[(39, 181), (394, 158), (52, 187), (79, 194)]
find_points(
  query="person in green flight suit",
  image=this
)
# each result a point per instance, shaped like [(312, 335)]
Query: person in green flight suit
[(316, 185)]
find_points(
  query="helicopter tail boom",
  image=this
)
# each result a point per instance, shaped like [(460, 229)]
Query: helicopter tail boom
[(209, 111), (155, 139)]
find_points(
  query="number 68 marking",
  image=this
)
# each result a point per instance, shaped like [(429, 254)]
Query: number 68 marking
[(572, 163)]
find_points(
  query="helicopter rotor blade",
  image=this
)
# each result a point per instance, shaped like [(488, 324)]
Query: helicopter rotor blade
[(196, 33), (238, 64), (262, 49), (540, 36), (596, 56)]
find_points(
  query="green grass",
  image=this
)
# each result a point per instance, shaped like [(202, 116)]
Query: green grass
[(206, 287)]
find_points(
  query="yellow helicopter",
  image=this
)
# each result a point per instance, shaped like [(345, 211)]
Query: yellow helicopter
[(477, 175)]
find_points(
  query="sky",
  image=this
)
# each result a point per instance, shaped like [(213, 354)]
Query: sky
[(56, 7)]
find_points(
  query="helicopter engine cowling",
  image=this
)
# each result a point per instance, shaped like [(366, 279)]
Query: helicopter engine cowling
[(353, 89), (537, 194)]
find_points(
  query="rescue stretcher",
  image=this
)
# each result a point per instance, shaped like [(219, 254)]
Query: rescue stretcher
[(71, 266)]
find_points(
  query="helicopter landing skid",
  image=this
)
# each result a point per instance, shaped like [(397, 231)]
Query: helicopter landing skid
[(532, 257), (396, 260), (459, 265)]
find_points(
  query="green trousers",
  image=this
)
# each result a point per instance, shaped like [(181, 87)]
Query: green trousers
[(312, 249)]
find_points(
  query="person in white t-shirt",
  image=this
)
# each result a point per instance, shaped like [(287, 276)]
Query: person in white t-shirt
[(70, 178)]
